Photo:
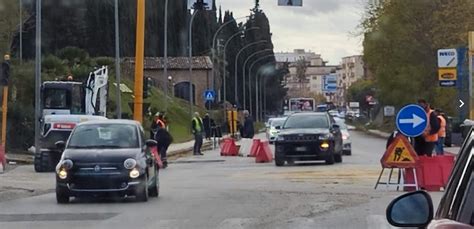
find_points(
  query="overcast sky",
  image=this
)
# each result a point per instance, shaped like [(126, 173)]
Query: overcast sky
[(322, 26)]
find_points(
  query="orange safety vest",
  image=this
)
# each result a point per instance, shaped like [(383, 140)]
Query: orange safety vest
[(430, 137), (442, 129)]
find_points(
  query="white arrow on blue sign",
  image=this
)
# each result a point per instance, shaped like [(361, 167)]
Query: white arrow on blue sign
[(412, 120), (209, 95)]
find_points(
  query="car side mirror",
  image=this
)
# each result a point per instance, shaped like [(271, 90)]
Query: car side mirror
[(336, 127), (151, 143), (413, 209), (61, 145), (277, 127)]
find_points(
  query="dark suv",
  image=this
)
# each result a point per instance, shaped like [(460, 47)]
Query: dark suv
[(308, 137)]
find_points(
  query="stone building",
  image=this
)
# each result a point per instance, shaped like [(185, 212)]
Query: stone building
[(178, 77)]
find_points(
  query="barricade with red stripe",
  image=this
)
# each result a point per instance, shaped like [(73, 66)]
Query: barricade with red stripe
[(229, 148), (255, 147), (264, 153), (432, 172)]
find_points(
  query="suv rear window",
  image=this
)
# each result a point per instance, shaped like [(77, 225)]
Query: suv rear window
[(307, 122)]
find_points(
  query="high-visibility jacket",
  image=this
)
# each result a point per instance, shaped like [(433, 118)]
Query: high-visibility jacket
[(442, 127), (197, 125), (427, 135)]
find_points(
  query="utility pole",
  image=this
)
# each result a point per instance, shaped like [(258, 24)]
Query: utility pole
[(139, 56), (471, 73), (117, 61), (21, 31), (165, 58), (38, 77)]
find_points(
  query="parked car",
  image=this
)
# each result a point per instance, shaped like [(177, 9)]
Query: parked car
[(456, 209), (272, 132), (308, 137), (346, 136), (107, 157)]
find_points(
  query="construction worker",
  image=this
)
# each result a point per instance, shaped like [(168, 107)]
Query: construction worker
[(439, 149), (425, 143), (197, 128)]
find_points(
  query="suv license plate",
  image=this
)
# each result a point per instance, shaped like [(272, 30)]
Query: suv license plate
[(301, 149)]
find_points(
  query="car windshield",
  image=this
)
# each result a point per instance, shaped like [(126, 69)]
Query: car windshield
[(307, 122), (104, 136)]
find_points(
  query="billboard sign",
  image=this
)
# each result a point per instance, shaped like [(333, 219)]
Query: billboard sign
[(290, 2), (302, 104)]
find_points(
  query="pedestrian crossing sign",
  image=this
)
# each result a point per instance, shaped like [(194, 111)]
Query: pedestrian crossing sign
[(400, 154), (209, 95)]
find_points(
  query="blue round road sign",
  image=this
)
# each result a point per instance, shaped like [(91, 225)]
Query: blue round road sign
[(412, 120)]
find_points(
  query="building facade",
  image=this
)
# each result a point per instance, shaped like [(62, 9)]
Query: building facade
[(316, 69), (178, 76), (352, 68)]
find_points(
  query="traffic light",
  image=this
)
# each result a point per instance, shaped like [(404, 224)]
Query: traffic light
[(5, 73), (147, 85)]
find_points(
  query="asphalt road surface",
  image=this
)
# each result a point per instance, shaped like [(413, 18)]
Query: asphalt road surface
[(232, 192)]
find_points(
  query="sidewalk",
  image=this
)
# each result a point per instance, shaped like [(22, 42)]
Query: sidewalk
[(173, 150)]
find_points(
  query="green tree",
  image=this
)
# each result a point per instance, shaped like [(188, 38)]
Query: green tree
[(400, 43)]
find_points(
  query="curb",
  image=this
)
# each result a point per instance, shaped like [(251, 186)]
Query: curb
[(378, 133), (29, 159)]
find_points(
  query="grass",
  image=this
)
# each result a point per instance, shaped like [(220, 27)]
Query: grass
[(178, 113)]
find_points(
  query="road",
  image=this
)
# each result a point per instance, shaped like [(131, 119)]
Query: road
[(232, 192)]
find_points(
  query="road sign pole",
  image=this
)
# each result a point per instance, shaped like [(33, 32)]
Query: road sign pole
[(38, 77), (117, 61)]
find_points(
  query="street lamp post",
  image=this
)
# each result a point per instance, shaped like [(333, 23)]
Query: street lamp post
[(236, 69), (256, 81), (165, 55), (225, 48), (213, 51), (250, 84), (117, 61), (190, 40), (21, 31)]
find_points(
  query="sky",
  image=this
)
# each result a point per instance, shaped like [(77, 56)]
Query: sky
[(326, 27)]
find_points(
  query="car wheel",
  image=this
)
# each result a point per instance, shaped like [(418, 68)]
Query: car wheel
[(338, 158), (154, 190), (279, 159), (62, 197), (348, 152), (142, 192), (330, 159)]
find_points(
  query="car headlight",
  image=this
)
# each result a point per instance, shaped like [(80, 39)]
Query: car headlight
[(324, 145), (345, 137), (274, 132), (130, 163), (134, 173), (325, 137), (62, 174), (67, 164)]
